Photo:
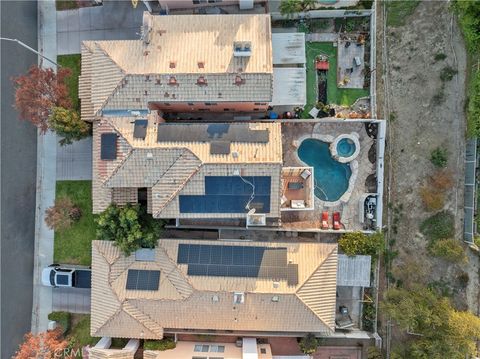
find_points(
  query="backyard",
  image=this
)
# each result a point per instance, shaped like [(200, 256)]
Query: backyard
[(73, 245), (335, 95)]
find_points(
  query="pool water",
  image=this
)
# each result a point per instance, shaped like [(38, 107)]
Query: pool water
[(345, 147), (331, 177)]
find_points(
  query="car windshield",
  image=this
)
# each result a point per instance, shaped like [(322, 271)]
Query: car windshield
[(52, 277)]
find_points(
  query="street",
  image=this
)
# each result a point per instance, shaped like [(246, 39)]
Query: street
[(18, 179)]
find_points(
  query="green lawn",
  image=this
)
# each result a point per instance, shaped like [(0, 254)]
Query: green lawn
[(66, 4), (334, 95), (73, 63), (73, 246), (398, 11), (81, 331)]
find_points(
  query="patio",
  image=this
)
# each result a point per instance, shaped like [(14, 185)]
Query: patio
[(363, 166)]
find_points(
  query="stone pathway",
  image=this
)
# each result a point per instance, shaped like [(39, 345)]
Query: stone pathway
[(114, 20)]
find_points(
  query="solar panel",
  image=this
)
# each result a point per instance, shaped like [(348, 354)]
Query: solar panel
[(108, 144), (220, 148), (237, 261), (143, 279), (140, 129), (239, 132)]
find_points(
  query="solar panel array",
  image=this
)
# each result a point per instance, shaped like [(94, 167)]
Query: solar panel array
[(236, 261), (229, 194), (143, 279)]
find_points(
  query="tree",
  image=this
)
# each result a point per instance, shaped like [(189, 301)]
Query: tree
[(130, 227), (441, 331), (62, 214), (308, 344), (46, 345), (354, 243), (38, 91), (67, 123)]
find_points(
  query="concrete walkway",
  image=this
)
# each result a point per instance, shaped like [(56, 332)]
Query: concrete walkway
[(46, 178), (114, 20), (74, 162)]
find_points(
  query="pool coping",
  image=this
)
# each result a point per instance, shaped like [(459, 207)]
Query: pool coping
[(353, 167)]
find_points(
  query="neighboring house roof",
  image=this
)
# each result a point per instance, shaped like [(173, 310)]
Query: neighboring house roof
[(174, 160), (128, 74), (354, 271), (302, 301)]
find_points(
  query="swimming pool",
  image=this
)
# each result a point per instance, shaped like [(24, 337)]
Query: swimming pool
[(345, 147), (331, 177)]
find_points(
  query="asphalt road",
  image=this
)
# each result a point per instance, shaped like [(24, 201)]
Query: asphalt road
[(18, 180)]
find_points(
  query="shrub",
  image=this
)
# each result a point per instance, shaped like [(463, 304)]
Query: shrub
[(439, 57), (368, 316), (433, 200), (164, 344), (438, 98), (441, 180), (473, 106), (62, 214), (449, 249), (308, 344), (447, 73), (439, 157), (374, 353), (359, 243), (439, 226), (63, 319), (130, 227), (67, 123)]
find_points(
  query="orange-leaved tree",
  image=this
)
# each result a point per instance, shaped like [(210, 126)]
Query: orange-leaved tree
[(46, 345), (38, 91)]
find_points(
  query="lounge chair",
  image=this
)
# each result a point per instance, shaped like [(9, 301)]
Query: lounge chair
[(336, 220), (295, 185), (325, 220)]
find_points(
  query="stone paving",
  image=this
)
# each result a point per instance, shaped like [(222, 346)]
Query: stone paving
[(114, 20), (349, 210), (345, 61)]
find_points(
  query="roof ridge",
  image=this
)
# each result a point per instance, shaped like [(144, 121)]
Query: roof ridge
[(304, 293), (148, 323)]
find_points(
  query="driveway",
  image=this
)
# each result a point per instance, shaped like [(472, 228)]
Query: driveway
[(73, 300), (74, 162), (114, 20)]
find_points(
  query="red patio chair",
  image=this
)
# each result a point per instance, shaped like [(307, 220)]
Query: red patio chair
[(336, 220), (325, 220)]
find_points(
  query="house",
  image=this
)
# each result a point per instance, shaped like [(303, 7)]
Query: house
[(183, 63), (235, 288), (182, 171)]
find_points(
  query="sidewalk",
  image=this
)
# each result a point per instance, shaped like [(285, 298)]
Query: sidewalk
[(46, 178), (114, 20)]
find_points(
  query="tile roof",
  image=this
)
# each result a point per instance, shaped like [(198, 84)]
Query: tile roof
[(171, 168), (129, 74), (186, 302)]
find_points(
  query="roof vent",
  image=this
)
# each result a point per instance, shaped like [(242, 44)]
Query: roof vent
[(215, 299), (238, 298), (275, 298), (201, 65), (276, 284), (242, 49), (149, 156), (235, 154)]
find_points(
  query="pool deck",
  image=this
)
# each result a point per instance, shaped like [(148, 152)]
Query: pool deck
[(292, 133)]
